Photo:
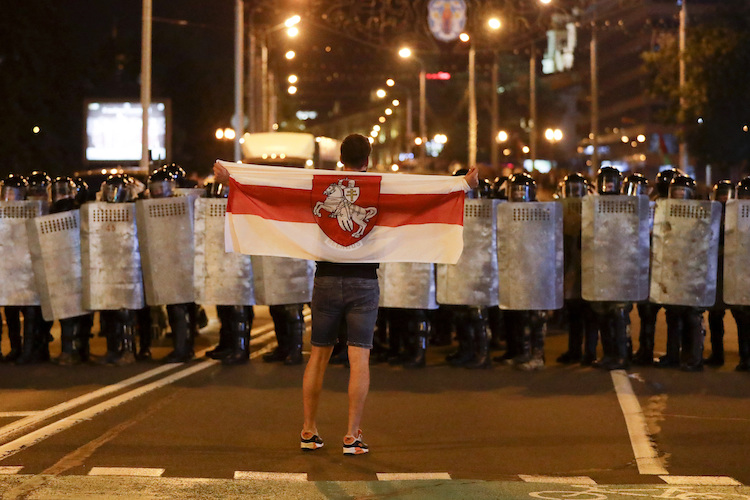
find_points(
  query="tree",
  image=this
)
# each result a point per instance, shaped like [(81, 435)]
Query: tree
[(716, 94)]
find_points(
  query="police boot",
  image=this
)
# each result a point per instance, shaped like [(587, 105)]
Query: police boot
[(621, 353), (693, 346), (183, 342), (523, 342), (443, 330), (279, 353), (224, 347), (716, 326), (240, 345), (16, 346), (644, 356), (127, 345), (575, 334), (497, 327), (31, 330), (674, 335), (607, 335), (296, 330), (70, 342), (419, 359), (465, 352), (482, 339), (144, 344)]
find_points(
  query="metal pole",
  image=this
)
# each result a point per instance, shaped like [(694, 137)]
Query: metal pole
[(239, 77), (145, 82), (409, 124), (472, 108), (252, 114), (422, 114), (272, 101), (494, 146), (683, 152), (264, 81), (532, 99), (594, 104)]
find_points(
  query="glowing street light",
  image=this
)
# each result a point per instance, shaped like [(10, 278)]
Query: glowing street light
[(292, 90), (292, 32), (502, 136), (464, 37), (229, 134), (219, 133), (292, 79), (292, 21), (494, 23), (290, 54), (404, 52), (390, 82), (380, 93), (395, 102), (388, 111), (553, 135)]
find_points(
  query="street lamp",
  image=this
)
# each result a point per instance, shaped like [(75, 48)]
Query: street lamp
[(266, 112), (406, 53)]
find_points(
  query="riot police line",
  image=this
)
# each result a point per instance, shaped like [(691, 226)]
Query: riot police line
[(522, 259)]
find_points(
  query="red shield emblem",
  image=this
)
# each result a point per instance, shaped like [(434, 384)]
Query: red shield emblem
[(345, 207)]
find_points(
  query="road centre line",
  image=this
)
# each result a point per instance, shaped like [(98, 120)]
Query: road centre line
[(270, 476), (646, 455), (580, 480), (49, 430), (411, 476), (126, 471)]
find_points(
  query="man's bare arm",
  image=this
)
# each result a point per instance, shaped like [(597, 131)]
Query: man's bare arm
[(472, 177)]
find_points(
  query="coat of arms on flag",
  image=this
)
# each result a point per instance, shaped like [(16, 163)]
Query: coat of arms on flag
[(345, 208)]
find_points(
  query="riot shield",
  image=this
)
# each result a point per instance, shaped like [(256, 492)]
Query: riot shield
[(685, 249), (281, 280), (221, 278), (16, 272), (737, 253), (110, 259), (571, 209), (407, 285), (165, 239), (472, 281), (615, 248), (530, 255), (55, 245)]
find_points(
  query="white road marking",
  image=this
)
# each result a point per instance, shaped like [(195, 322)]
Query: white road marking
[(8, 470), (265, 476), (126, 471), (11, 414), (701, 480), (411, 476), (43, 433), (558, 479), (646, 455)]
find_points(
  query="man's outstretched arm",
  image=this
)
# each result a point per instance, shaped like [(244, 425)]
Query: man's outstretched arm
[(472, 177), (221, 174)]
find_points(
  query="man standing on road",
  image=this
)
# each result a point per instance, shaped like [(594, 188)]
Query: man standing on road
[(345, 292)]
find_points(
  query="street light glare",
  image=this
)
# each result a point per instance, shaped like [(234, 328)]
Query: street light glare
[(404, 52), (229, 134), (292, 21), (545, 2), (557, 135), (292, 89), (290, 54), (388, 111), (395, 102), (380, 93), (390, 82), (502, 136), (219, 133), (464, 37), (292, 79), (293, 31), (494, 23)]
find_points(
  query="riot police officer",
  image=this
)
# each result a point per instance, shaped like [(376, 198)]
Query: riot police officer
[(722, 191), (612, 316), (162, 184), (742, 313), (647, 310), (74, 338), (527, 328), (582, 324)]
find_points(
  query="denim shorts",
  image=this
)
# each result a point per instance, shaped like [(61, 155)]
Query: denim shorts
[(352, 301)]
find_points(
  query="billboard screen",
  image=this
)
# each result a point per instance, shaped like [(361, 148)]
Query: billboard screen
[(113, 130)]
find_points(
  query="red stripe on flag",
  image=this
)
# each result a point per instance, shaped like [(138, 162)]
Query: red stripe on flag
[(294, 205)]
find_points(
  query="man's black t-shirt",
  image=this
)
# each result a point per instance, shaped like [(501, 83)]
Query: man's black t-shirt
[(346, 270)]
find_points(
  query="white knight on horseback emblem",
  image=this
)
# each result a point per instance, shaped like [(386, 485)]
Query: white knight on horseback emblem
[(339, 203)]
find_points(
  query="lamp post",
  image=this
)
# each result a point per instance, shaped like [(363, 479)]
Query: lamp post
[(145, 81), (683, 152), (267, 111), (239, 77), (406, 53)]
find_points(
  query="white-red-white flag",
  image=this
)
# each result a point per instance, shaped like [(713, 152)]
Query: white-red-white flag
[(344, 216)]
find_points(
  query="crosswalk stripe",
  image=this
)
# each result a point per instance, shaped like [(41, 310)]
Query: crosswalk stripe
[(8, 470), (558, 479), (701, 480), (11, 414), (411, 476), (285, 476), (126, 471)]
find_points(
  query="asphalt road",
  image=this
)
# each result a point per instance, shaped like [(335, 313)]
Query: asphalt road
[(202, 430)]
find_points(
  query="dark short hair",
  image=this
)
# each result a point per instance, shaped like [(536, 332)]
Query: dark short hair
[(355, 149)]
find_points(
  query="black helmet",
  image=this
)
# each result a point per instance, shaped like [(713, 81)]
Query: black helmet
[(743, 189), (499, 186), (216, 190), (63, 188), (663, 179), (116, 189), (522, 187), (635, 184), (484, 189), (38, 189), (14, 188), (608, 180), (682, 187), (177, 172), (723, 191), (161, 184), (82, 196), (574, 186)]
